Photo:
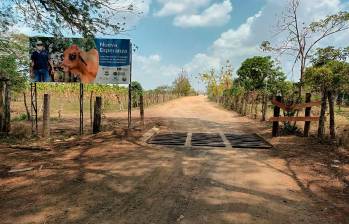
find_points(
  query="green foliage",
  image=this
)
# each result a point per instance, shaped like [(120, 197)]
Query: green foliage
[(137, 88), (330, 71), (9, 70), (325, 55), (86, 17), (164, 89), (181, 85), (301, 37), (261, 73), (21, 117), (137, 91), (217, 83), (14, 60), (333, 76)]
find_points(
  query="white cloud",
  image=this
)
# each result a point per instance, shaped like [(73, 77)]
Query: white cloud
[(215, 15), (202, 62), (152, 72), (196, 13), (232, 45), (175, 7), (238, 44)]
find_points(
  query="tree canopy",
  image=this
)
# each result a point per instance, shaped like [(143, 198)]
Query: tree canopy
[(85, 17), (182, 85), (258, 73), (301, 37)]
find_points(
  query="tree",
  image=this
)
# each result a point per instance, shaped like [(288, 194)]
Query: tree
[(86, 17), (216, 82), (302, 37), (14, 66), (182, 84), (261, 73), (328, 75), (137, 91)]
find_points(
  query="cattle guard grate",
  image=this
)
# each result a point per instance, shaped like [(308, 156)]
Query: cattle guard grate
[(207, 139), (176, 139), (251, 141)]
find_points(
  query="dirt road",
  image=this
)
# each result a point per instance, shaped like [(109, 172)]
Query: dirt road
[(104, 179)]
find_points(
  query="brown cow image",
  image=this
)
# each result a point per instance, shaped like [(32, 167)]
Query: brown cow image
[(84, 64)]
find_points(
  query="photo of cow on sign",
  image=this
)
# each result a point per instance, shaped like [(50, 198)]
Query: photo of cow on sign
[(84, 64), (85, 60)]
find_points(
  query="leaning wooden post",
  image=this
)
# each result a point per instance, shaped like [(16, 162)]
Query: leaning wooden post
[(275, 131), (97, 119), (307, 114), (46, 116), (141, 108)]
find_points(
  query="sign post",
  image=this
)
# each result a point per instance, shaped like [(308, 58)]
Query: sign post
[(129, 123), (81, 108)]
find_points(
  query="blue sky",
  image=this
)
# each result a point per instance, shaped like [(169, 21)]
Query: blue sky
[(198, 35), (201, 34), (177, 44)]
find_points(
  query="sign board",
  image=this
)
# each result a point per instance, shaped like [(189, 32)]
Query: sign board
[(85, 60)]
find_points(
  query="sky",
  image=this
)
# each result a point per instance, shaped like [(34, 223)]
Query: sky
[(198, 35)]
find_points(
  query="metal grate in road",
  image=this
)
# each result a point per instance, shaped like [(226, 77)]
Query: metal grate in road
[(252, 141), (207, 139), (176, 139)]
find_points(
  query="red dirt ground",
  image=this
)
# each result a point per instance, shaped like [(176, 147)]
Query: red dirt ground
[(108, 178)]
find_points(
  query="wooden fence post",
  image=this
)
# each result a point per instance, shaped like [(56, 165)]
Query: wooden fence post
[(141, 108), (264, 107), (5, 112), (46, 116), (97, 120), (244, 110), (307, 114), (275, 131), (255, 115)]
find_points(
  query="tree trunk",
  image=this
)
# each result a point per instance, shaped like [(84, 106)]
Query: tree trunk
[(264, 107), (330, 96), (256, 107), (97, 115), (321, 128), (26, 106), (251, 105), (5, 115)]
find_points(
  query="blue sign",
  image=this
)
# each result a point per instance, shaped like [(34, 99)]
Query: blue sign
[(114, 52)]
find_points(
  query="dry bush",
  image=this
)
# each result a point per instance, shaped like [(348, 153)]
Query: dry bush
[(344, 136), (20, 130)]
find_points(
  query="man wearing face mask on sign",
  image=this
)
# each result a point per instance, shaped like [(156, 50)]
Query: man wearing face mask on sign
[(40, 63)]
